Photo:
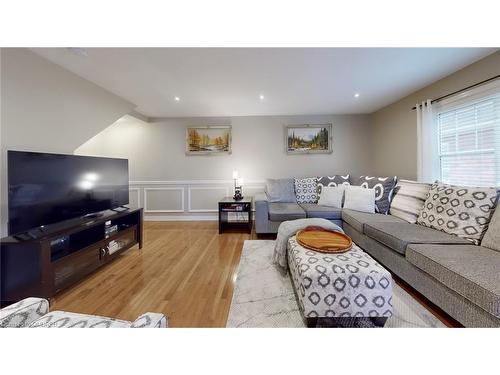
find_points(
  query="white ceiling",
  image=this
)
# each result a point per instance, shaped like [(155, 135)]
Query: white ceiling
[(228, 81)]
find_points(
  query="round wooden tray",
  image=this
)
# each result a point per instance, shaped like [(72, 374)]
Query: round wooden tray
[(324, 240)]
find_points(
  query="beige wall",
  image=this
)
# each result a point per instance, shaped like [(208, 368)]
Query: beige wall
[(156, 151), (394, 127), (176, 185), (47, 108)]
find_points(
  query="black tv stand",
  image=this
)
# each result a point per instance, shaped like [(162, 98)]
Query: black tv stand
[(55, 259), (94, 215), (120, 209)]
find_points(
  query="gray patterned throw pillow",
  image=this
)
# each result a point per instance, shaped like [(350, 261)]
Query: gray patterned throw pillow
[(334, 181), (383, 186), (306, 190), (459, 210)]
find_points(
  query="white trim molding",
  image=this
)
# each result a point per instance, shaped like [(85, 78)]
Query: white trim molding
[(186, 187), (181, 217), (190, 189), (196, 182), (146, 210), (138, 190)]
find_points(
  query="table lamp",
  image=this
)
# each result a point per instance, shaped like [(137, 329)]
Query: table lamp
[(237, 187)]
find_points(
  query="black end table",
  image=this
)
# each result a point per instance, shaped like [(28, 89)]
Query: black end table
[(235, 215)]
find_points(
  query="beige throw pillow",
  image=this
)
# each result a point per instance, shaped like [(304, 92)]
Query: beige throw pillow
[(331, 196), (360, 199)]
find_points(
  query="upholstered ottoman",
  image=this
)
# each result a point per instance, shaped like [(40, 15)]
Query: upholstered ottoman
[(343, 290)]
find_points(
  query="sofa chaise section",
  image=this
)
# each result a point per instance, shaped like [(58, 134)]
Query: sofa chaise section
[(469, 270), (398, 236), (462, 309)]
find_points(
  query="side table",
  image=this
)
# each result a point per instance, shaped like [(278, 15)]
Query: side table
[(235, 215)]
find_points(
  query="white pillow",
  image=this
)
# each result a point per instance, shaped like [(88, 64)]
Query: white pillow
[(331, 196), (360, 199)]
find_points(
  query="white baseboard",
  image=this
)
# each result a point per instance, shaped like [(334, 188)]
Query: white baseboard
[(181, 218)]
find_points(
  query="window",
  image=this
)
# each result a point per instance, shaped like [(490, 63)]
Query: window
[(469, 143)]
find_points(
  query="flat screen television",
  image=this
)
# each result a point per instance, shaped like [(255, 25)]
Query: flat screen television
[(49, 188)]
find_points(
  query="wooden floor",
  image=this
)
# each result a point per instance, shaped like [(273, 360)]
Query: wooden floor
[(185, 270)]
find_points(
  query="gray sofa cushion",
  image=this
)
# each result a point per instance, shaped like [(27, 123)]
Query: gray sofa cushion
[(325, 212), (285, 211), (281, 190), (471, 271), (397, 236), (358, 219)]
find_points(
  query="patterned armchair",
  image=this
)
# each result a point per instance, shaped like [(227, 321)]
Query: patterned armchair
[(34, 313)]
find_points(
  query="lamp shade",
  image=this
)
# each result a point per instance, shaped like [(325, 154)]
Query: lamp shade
[(235, 175)]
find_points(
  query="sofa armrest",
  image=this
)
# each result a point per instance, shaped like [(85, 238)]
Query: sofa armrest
[(261, 205), (261, 213), (23, 313), (150, 320), (261, 197)]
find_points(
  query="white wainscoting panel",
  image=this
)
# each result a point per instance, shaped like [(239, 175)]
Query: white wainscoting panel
[(205, 198), (185, 200), (153, 217), (134, 197), (164, 199)]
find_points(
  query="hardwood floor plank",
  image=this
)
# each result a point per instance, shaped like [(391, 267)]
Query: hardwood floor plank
[(185, 270)]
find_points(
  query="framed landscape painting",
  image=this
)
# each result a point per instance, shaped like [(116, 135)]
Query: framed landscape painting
[(208, 140), (309, 139)]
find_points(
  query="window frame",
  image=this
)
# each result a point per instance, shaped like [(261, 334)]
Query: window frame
[(469, 98)]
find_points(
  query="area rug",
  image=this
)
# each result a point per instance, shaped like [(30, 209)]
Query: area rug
[(264, 298)]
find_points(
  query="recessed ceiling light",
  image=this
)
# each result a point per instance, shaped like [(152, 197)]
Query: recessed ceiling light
[(356, 95), (261, 97), (177, 99)]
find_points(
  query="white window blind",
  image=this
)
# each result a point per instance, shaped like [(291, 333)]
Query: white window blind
[(469, 143)]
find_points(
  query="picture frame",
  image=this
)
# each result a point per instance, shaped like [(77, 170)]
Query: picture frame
[(308, 139), (209, 140)]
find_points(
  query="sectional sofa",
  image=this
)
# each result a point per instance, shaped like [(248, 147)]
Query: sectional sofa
[(453, 272)]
